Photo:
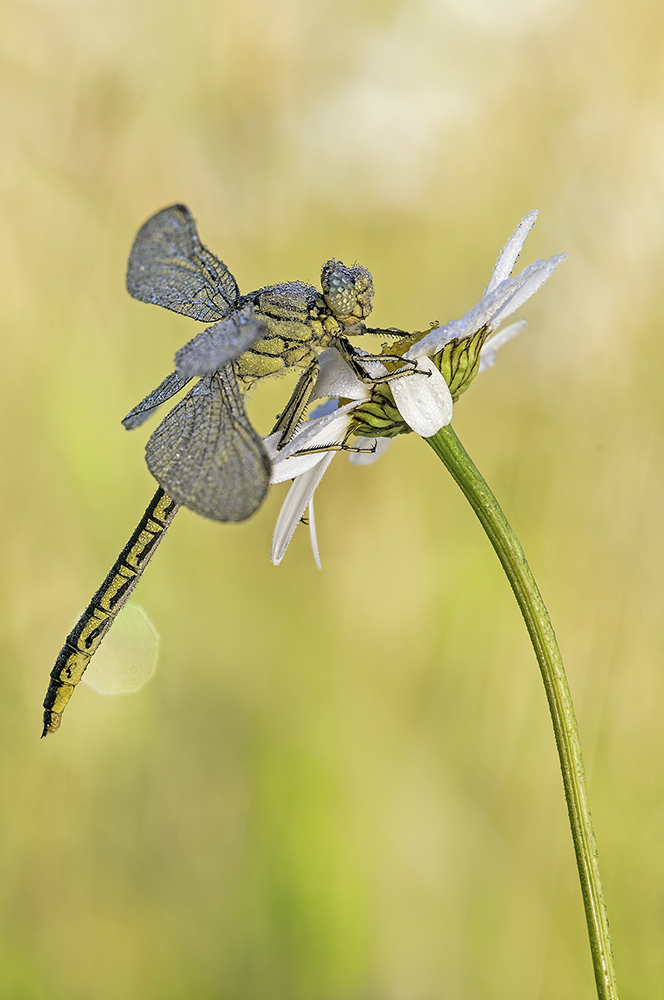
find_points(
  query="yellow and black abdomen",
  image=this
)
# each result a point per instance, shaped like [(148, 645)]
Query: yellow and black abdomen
[(104, 607)]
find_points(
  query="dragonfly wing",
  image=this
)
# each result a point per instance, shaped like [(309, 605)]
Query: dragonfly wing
[(170, 267), (171, 384), (206, 454), (213, 348)]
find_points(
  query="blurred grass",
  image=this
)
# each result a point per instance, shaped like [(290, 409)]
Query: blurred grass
[(340, 785)]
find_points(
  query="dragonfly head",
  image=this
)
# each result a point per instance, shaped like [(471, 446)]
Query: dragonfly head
[(347, 291)]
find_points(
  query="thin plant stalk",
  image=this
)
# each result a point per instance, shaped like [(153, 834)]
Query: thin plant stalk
[(450, 451)]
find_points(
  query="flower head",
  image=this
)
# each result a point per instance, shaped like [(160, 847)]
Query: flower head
[(447, 358)]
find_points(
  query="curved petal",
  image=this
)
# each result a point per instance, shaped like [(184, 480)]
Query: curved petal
[(297, 465), (380, 446), (488, 352), (312, 534), (297, 500), (425, 402), (320, 433), (508, 256), (336, 378), (524, 285)]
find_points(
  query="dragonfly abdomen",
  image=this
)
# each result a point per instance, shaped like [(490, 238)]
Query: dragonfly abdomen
[(103, 609)]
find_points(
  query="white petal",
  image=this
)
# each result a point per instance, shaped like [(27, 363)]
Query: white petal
[(494, 303), (296, 502), (510, 252), (320, 432), (290, 468), (336, 378), (482, 312), (488, 352), (372, 367), (526, 284), (284, 468), (312, 534), (368, 457), (316, 433), (495, 306), (473, 319), (423, 401), (435, 339)]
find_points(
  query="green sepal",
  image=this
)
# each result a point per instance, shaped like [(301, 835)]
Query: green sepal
[(459, 361), (378, 416)]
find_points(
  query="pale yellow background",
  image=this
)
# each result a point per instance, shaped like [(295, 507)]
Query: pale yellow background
[(340, 785)]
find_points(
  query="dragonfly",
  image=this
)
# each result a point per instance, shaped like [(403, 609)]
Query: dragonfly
[(205, 454)]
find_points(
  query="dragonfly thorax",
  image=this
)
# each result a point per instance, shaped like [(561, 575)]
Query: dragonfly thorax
[(348, 291)]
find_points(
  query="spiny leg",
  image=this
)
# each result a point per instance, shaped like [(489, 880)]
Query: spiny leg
[(354, 359), (337, 446), (288, 421)]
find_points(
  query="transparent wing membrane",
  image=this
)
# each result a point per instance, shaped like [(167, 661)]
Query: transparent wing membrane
[(206, 454), (169, 387), (169, 266), (214, 347)]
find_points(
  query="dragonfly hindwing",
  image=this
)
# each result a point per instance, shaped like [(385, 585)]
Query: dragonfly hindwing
[(170, 267), (140, 413), (206, 454)]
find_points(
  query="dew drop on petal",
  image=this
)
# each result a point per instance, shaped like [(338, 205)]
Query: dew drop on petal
[(127, 658), (424, 403)]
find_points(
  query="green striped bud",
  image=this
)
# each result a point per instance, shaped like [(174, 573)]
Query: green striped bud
[(459, 361), (379, 416)]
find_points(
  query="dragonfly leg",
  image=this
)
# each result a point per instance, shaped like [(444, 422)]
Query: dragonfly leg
[(338, 446), (355, 360), (288, 421)]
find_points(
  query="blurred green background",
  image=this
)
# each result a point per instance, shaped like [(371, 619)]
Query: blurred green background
[(340, 785)]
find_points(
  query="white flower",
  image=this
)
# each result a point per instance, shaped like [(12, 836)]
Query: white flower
[(423, 398)]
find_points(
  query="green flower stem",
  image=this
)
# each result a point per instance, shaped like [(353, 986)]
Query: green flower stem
[(450, 451)]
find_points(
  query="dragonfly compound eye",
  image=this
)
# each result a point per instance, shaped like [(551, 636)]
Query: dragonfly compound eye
[(348, 291)]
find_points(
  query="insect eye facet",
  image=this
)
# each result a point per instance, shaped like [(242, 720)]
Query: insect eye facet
[(347, 290)]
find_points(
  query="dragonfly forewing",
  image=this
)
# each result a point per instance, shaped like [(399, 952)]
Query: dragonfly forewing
[(206, 454), (170, 267), (214, 347)]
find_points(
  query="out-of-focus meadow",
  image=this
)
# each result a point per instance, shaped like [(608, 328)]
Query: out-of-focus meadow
[(339, 785)]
